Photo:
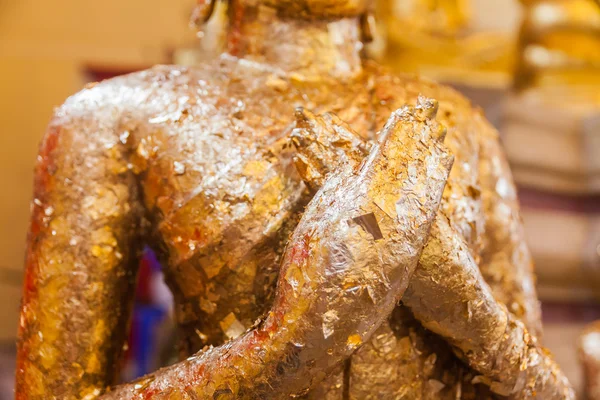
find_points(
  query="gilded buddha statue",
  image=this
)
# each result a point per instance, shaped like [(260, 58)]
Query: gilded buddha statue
[(309, 255)]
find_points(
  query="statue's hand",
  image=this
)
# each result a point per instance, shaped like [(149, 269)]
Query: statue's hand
[(447, 292), (345, 268)]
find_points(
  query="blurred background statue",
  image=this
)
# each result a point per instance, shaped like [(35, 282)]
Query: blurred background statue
[(551, 119), (559, 50), (444, 40), (558, 45)]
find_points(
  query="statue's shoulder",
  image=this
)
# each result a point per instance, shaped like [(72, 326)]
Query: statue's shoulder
[(147, 91), (407, 87), (394, 90)]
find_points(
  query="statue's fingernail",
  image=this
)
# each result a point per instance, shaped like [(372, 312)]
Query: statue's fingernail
[(426, 108)]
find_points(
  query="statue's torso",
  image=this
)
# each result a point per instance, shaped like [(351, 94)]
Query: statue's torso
[(209, 149)]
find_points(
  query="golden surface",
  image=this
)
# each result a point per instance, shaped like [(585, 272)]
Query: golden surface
[(291, 282), (589, 354)]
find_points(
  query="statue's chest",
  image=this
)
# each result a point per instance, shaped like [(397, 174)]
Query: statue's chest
[(220, 136), (216, 158)]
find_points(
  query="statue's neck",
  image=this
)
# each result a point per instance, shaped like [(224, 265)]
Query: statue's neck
[(307, 49)]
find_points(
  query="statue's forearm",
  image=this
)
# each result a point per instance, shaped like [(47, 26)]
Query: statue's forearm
[(506, 263), (345, 268), (449, 296), (80, 266)]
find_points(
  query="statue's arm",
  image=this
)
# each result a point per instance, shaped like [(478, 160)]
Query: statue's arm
[(447, 292), (506, 262), (450, 297), (81, 257), (346, 266)]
